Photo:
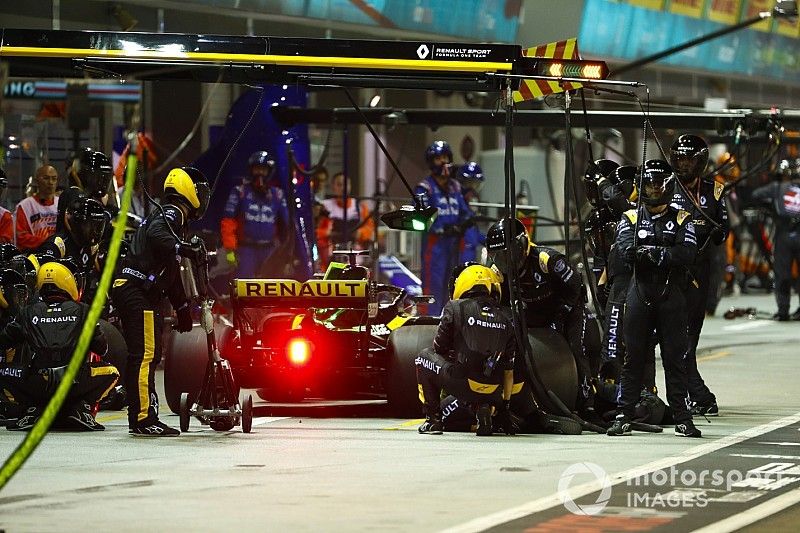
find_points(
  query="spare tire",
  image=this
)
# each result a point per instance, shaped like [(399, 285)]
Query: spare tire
[(185, 366), (405, 343), (555, 366)]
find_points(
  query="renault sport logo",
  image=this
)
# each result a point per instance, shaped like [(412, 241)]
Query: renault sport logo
[(583, 469), (423, 51)]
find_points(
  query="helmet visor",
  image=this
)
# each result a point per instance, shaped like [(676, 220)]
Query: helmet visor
[(19, 297), (90, 231), (204, 195)]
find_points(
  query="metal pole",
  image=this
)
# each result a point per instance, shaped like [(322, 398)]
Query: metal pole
[(567, 170)]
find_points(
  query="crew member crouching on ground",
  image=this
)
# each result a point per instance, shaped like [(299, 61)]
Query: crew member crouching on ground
[(472, 355), (552, 292), (49, 330)]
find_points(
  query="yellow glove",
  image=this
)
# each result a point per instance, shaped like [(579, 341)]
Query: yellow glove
[(231, 257)]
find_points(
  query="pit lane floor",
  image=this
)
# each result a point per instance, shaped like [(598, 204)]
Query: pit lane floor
[(344, 468)]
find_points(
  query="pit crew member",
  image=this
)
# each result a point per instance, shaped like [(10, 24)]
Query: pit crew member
[(472, 355)]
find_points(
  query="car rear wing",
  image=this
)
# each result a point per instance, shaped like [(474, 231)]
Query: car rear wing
[(291, 294)]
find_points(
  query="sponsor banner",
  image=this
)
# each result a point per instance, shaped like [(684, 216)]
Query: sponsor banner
[(724, 11), (689, 8)]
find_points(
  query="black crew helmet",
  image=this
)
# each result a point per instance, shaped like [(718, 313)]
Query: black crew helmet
[(596, 170), (92, 172), (14, 292), (496, 244), (87, 221), (658, 182), (688, 156), (7, 252)]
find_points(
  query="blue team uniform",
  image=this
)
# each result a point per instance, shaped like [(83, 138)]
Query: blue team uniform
[(441, 246), (251, 225)]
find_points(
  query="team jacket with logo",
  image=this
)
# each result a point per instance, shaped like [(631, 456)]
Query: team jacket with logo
[(252, 217), (36, 221), (548, 283), (671, 232), (152, 260), (50, 332), (453, 209), (711, 204), (475, 329)]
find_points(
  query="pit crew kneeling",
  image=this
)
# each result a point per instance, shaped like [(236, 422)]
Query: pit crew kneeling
[(472, 356), (48, 330)]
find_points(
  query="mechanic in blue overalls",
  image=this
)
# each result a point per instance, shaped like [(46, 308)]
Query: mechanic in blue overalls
[(256, 218), (471, 178), (441, 245)]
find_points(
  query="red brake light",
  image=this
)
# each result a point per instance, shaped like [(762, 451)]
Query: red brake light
[(298, 351)]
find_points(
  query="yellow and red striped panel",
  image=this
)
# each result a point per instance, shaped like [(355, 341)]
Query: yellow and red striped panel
[(531, 89)]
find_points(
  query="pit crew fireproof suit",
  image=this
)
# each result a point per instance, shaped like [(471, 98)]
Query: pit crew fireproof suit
[(785, 200), (656, 300), (553, 295), (474, 345), (150, 271), (48, 330), (254, 221), (709, 203), (441, 245)]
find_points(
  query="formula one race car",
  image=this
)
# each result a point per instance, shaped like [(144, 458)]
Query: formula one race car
[(341, 336)]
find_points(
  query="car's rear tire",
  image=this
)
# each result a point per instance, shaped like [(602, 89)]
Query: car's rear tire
[(402, 393), (185, 365)]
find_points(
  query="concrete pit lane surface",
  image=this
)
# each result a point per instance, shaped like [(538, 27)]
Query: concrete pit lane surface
[(339, 466)]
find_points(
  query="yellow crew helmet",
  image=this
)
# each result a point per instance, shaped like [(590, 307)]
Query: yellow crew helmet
[(476, 276), (55, 275), (191, 188)]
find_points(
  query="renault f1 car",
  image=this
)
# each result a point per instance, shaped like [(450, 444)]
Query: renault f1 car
[(341, 336)]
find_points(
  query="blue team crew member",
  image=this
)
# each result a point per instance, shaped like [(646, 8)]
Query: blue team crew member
[(440, 249), (256, 218), (471, 179)]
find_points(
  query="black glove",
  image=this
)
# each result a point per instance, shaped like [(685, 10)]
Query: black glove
[(504, 420), (717, 236), (560, 317), (183, 324), (194, 251), (650, 254)]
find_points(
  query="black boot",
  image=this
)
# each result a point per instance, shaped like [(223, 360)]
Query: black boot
[(26, 421), (621, 426), (484, 418), (687, 429), (80, 418), (433, 425)]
